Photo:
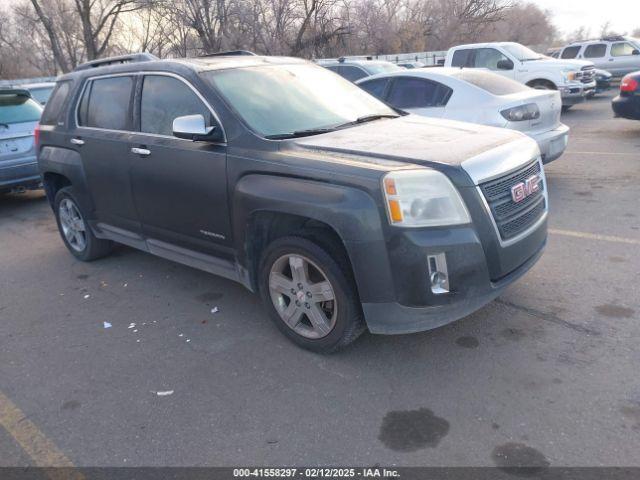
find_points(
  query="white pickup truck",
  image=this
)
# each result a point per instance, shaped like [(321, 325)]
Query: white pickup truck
[(574, 79)]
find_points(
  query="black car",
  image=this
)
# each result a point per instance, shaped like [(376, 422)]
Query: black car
[(276, 173), (627, 103)]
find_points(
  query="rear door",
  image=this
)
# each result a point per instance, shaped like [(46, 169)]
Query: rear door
[(180, 186), (102, 136)]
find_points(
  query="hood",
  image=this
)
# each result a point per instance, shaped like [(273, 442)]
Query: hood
[(410, 139), (560, 63)]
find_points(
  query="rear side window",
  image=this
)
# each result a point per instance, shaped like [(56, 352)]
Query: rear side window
[(408, 92), (491, 82), (18, 109), (461, 58), (570, 52), (622, 49), (352, 73), (163, 100), (597, 50), (53, 111), (375, 87), (106, 104)]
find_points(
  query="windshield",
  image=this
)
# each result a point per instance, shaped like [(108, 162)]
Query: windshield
[(521, 52), (41, 94), (18, 109), (277, 100), (490, 82), (375, 68)]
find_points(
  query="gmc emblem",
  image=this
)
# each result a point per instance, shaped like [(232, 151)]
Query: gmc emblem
[(522, 190)]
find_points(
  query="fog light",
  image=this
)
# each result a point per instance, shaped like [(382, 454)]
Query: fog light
[(438, 273)]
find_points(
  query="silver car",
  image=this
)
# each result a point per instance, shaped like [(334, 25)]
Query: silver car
[(476, 96), (19, 116)]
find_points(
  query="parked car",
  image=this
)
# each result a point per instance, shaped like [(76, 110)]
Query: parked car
[(355, 69), (280, 175), (476, 96), (603, 80), (40, 92), (19, 115), (411, 65), (616, 54), (574, 79), (627, 103)]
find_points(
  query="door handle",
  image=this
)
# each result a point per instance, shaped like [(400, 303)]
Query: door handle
[(77, 141), (141, 151)]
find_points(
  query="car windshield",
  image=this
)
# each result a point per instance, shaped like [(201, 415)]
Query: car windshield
[(490, 82), (521, 52), (281, 100), (18, 109), (375, 68), (41, 94)]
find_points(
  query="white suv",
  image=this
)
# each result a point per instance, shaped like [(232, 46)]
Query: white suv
[(617, 55), (574, 79)]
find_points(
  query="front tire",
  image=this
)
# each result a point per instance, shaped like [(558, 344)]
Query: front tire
[(74, 229), (310, 295)]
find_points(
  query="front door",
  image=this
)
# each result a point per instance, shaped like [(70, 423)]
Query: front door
[(179, 186)]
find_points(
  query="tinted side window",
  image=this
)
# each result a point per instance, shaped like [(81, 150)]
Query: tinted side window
[(461, 58), (105, 104), (163, 100), (622, 49), (352, 73), (597, 50), (53, 110), (570, 52), (333, 68), (375, 87), (488, 58), (407, 92)]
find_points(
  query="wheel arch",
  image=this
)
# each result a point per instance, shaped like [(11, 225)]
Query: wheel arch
[(542, 81), (62, 167), (267, 207)]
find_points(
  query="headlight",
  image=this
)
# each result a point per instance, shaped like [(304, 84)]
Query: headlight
[(423, 198), (570, 75), (530, 111)]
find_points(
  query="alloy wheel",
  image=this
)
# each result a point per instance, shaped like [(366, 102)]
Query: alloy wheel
[(303, 296), (72, 224)]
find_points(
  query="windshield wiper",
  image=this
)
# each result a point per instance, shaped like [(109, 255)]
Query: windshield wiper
[(368, 118), (300, 133), (5, 125)]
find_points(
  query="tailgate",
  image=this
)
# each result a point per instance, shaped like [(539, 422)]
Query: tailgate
[(16, 140)]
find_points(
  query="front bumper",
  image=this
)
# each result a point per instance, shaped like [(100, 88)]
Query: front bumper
[(477, 274), (573, 94), (627, 107), (552, 143), (19, 173)]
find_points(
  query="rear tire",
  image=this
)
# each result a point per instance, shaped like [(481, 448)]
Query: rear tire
[(74, 229), (565, 108), (310, 296)]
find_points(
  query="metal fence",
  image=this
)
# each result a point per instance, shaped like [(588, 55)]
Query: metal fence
[(428, 58)]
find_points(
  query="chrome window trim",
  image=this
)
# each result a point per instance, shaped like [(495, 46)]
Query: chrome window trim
[(532, 228), (143, 74)]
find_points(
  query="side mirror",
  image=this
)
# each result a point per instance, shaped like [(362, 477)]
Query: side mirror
[(635, 51), (505, 64), (194, 127)]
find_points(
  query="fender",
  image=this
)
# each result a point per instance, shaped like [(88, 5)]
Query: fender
[(67, 163), (350, 212)]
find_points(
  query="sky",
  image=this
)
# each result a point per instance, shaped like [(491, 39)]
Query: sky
[(569, 15)]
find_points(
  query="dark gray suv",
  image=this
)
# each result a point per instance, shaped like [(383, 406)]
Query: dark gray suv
[(278, 174)]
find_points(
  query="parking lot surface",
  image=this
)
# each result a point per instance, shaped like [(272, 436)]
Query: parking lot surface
[(546, 374)]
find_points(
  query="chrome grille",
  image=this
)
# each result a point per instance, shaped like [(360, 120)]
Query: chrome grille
[(510, 217), (587, 74)]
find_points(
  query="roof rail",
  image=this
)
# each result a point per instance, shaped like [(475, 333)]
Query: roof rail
[(130, 58), (229, 53), (613, 38)]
